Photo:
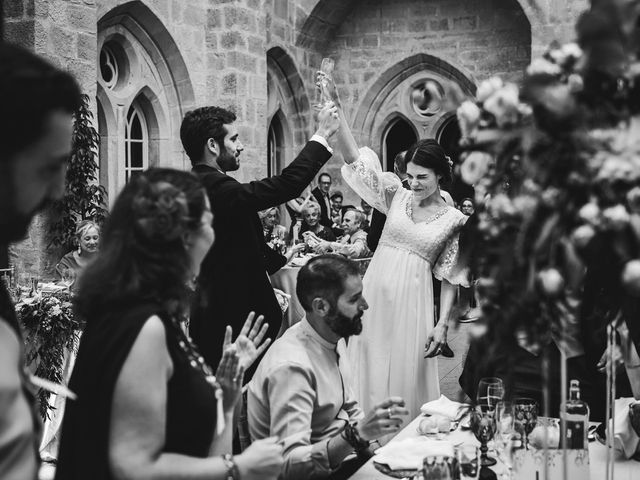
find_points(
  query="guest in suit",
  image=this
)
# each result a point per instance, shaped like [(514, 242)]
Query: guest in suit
[(321, 193), (233, 279), (336, 213), (367, 211), (353, 244)]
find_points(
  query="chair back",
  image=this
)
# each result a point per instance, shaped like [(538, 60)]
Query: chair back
[(243, 423)]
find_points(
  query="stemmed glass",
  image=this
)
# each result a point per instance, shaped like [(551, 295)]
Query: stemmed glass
[(323, 96), (490, 391), (68, 276), (525, 411), (505, 432), (483, 426)]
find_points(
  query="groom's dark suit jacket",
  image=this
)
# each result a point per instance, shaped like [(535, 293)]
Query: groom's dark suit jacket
[(233, 277)]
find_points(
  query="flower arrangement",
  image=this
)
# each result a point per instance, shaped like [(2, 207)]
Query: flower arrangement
[(277, 243), (50, 329), (556, 169)]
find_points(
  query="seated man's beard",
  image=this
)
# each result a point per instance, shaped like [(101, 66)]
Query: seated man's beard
[(344, 326)]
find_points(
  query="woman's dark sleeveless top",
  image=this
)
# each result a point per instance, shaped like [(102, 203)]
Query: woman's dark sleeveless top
[(104, 347)]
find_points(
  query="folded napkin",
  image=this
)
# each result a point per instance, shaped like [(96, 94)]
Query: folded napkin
[(626, 440), (445, 407), (409, 453)]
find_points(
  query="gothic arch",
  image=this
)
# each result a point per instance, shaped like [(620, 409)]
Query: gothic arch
[(287, 93), (364, 122), (325, 16)]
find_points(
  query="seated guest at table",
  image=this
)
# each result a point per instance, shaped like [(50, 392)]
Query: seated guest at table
[(294, 209), (300, 392), (147, 402), (271, 225), (311, 223), (353, 244), (87, 237)]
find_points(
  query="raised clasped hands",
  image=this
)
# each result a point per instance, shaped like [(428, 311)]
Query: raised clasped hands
[(251, 343), (436, 340), (328, 88), (385, 418), (328, 120)]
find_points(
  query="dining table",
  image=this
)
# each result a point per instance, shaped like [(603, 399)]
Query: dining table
[(623, 469)]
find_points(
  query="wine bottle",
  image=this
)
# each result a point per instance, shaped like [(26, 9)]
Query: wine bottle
[(576, 418)]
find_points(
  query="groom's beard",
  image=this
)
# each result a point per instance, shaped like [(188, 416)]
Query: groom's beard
[(345, 326)]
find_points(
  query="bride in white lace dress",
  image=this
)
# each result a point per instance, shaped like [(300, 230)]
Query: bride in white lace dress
[(420, 237)]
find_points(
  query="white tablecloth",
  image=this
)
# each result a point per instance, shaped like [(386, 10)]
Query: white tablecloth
[(624, 470)]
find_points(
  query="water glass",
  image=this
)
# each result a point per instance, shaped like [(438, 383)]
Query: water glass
[(438, 467), (525, 411), (468, 457), (503, 439)]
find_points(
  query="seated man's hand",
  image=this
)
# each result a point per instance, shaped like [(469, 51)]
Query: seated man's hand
[(322, 247), (385, 418)]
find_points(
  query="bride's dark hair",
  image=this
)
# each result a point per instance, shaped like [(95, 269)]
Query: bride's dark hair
[(428, 153), (142, 254)]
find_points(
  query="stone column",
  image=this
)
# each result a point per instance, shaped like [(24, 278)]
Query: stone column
[(237, 77)]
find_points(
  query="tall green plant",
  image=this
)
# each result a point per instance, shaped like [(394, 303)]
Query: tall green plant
[(84, 198)]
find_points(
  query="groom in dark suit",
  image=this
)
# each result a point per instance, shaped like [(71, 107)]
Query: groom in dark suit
[(234, 278)]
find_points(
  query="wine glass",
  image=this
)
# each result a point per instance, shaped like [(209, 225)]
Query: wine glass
[(483, 426), (525, 411), (490, 391), (323, 97), (468, 457), (68, 276)]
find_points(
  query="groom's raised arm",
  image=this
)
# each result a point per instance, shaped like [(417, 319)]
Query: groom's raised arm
[(273, 191)]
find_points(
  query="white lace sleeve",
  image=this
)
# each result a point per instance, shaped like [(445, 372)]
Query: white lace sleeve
[(447, 266), (366, 178)]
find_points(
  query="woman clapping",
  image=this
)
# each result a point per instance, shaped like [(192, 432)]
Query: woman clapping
[(148, 405)]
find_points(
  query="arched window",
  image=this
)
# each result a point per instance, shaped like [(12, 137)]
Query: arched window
[(400, 136), (275, 146), (136, 144)]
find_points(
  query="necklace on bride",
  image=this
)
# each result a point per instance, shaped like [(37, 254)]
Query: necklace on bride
[(435, 216)]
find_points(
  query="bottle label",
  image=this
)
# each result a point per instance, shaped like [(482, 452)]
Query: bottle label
[(575, 435)]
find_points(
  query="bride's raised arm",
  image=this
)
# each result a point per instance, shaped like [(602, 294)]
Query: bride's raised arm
[(363, 171)]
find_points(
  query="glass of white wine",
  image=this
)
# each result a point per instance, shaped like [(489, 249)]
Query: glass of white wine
[(68, 276)]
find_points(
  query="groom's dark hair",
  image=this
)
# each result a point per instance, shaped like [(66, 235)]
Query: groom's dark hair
[(200, 125), (324, 276)]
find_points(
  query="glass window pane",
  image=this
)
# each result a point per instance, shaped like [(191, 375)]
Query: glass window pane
[(136, 155), (136, 127)]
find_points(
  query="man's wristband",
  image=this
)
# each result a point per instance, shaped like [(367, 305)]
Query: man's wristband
[(232, 469), (353, 438)]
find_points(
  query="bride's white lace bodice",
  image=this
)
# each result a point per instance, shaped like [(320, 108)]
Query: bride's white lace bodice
[(434, 240)]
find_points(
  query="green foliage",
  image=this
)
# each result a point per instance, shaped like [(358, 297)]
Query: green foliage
[(84, 198), (50, 329)]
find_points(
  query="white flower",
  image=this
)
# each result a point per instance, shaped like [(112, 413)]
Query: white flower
[(56, 310), (616, 217), (501, 206), (582, 235), (504, 105), (488, 88), (616, 168), (633, 199), (468, 117), (475, 166), (590, 213), (575, 82), (540, 66)]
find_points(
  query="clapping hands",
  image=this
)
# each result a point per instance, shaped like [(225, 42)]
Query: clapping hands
[(249, 345)]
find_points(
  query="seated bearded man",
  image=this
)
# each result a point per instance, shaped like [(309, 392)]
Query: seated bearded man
[(300, 391), (353, 244)]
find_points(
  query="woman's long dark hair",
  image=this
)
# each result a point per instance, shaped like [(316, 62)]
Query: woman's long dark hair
[(142, 255)]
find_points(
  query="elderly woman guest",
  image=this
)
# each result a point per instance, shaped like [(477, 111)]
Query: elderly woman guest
[(148, 405), (87, 238), (311, 222), (271, 225)]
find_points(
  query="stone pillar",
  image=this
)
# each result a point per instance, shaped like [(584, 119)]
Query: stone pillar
[(236, 75), (66, 34)]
